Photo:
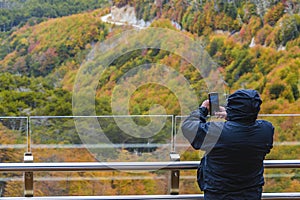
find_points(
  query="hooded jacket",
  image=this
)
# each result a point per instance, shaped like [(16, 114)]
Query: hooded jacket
[(234, 149)]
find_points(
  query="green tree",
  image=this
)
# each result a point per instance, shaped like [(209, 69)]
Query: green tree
[(289, 28), (274, 14)]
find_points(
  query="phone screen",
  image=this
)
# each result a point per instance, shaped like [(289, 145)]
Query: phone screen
[(213, 102)]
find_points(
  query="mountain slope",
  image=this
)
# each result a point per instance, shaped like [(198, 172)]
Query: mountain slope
[(54, 49)]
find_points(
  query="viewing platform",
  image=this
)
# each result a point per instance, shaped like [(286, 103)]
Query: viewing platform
[(45, 153)]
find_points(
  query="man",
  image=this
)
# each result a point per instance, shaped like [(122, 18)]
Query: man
[(232, 167)]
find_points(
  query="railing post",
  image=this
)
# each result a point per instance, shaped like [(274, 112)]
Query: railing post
[(175, 175), (28, 176)]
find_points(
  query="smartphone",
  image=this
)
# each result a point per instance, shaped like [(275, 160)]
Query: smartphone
[(213, 98)]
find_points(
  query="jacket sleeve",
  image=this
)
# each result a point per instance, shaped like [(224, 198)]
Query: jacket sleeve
[(195, 128), (270, 144)]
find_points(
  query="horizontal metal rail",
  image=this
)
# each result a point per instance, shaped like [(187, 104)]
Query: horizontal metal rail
[(265, 196), (97, 166), (101, 166), (282, 163)]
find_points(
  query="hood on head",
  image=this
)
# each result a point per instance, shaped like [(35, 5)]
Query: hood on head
[(243, 106)]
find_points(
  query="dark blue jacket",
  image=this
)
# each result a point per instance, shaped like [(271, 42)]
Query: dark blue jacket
[(234, 149)]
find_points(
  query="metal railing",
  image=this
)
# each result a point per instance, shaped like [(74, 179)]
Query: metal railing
[(174, 166), (143, 166), (102, 166)]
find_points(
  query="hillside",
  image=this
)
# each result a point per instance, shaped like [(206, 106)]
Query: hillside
[(54, 49), (16, 13)]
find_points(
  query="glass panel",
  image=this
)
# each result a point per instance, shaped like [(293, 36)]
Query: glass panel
[(101, 139), (286, 147), (13, 145)]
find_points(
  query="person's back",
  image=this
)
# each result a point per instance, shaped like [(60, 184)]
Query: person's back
[(233, 165)]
